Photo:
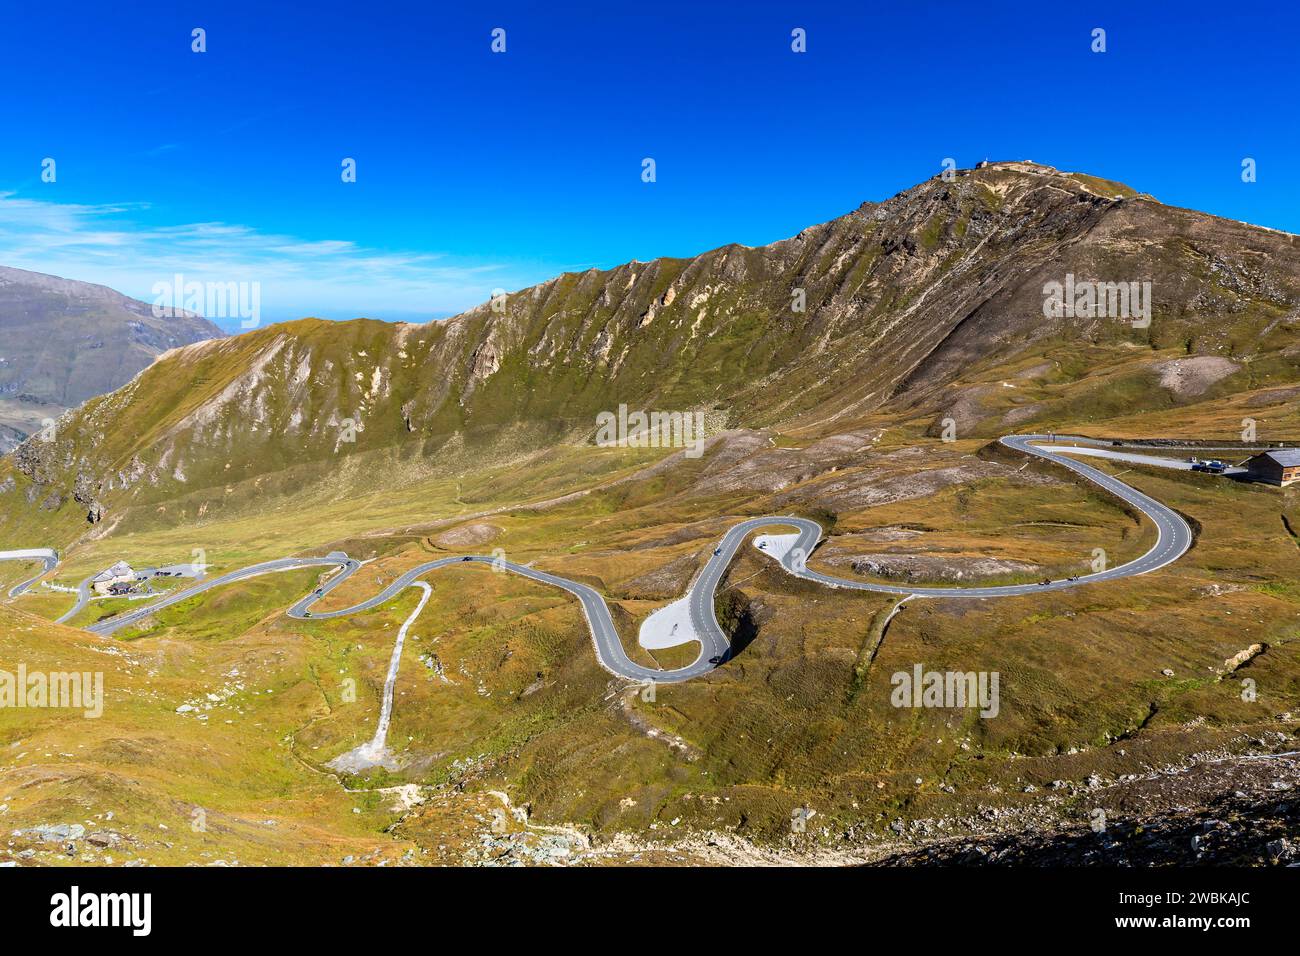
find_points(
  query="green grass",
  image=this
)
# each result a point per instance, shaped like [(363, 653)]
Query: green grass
[(499, 686)]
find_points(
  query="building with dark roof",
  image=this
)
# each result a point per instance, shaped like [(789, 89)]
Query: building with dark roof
[(119, 573), (1280, 466)]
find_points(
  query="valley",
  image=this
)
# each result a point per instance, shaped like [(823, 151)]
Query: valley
[(911, 428)]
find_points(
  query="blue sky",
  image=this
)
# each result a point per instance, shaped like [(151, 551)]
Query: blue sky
[(478, 170)]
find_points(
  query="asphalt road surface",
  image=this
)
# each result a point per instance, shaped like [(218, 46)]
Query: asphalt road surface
[(84, 589), (128, 618), (1173, 539), (48, 557), (1179, 464)]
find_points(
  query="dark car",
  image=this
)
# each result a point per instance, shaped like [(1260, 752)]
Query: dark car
[(717, 550), (715, 659)]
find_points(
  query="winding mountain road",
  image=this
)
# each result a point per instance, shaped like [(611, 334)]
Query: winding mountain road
[(1174, 537), (48, 557)]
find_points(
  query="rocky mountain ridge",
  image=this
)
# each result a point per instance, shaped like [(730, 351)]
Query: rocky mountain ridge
[(63, 341), (881, 308)]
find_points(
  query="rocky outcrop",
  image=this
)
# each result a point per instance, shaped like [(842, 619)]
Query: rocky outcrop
[(927, 568)]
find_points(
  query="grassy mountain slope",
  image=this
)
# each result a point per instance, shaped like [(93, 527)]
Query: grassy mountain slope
[(900, 299), (473, 434)]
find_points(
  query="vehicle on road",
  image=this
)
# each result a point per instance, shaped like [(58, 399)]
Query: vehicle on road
[(715, 659), (717, 551), (1045, 581), (465, 559)]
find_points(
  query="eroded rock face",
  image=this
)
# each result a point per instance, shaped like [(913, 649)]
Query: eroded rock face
[(467, 536), (35, 460), (486, 362), (1190, 377), (84, 487)]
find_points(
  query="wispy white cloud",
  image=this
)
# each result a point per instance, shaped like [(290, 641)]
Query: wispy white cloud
[(106, 243)]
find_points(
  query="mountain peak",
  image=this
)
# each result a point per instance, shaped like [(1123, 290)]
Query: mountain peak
[(66, 341), (992, 171), (886, 306)]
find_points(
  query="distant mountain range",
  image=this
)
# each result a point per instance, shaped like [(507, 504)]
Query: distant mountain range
[(882, 309), (62, 342)]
